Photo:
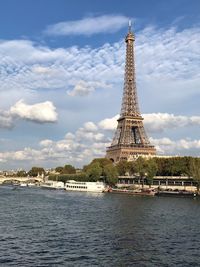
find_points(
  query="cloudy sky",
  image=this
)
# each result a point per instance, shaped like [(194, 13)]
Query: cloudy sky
[(61, 77)]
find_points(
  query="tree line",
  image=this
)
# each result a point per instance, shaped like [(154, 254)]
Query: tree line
[(104, 169)]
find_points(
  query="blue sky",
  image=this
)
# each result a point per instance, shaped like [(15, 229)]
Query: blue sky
[(61, 77)]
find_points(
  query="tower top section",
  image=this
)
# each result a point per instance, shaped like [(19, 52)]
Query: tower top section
[(130, 36), (130, 105)]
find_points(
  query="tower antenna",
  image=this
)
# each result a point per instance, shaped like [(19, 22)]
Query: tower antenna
[(129, 25)]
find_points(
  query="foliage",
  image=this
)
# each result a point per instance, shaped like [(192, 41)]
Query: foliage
[(111, 174), (94, 172), (59, 169), (176, 166), (195, 170), (35, 171), (141, 166), (123, 167), (102, 162), (151, 170), (21, 174), (68, 169)]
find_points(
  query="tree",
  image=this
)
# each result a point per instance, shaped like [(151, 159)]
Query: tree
[(59, 169), (35, 171), (94, 171), (123, 167), (102, 161), (140, 167), (195, 170), (21, 174), (111, 174), (151, 169), (68, 169)]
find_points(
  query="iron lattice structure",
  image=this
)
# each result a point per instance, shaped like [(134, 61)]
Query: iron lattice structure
[(130, 139)]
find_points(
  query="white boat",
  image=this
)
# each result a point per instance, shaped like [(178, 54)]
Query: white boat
[(98, 187), (53, 185), (23, 184), (31, 184)]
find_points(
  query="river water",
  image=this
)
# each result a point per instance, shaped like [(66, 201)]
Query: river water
[(56, 228)]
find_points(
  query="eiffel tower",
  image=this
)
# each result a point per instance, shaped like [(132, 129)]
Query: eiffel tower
[(130, 140)]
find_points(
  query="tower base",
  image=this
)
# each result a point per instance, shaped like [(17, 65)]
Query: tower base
[(129, 153)]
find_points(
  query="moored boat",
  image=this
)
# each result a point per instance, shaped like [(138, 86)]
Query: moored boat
[(98, 187), (169, 193), (138, 192)]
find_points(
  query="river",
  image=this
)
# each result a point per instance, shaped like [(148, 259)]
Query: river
[(57, 228)]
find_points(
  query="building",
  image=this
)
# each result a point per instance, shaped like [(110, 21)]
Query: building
[(130, 140)]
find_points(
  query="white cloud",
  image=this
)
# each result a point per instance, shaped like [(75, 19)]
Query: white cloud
[(89, 25), (90, 126), (41, 69), (182, 147), (44, 112), (158, 122), (40, 112), (85, 135), (172, 56), (109, 123), (69, 136), (83, 88), (46, 143), (78, 148)]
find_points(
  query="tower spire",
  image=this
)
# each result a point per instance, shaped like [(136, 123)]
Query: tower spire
[(129, 26), (130, 139)]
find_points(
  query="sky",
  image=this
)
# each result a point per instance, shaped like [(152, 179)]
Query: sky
[(61, 77)]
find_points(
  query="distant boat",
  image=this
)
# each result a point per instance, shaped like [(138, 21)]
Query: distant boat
[(98, 187), (52, 185), (23, 184), (31, 184)]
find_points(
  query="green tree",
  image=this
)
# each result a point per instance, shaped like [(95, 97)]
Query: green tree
[(68, 169), (59, 169), (188, 161), (21, 173), (102, 162), (195, 170), (111, 174), (151, 169), (94, 172), (123, 167), (35, 171), (140, 167)]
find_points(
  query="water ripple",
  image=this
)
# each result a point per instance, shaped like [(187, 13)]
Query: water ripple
[(54, 228)]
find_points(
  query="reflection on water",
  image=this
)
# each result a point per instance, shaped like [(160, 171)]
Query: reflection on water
[(58, 228)]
